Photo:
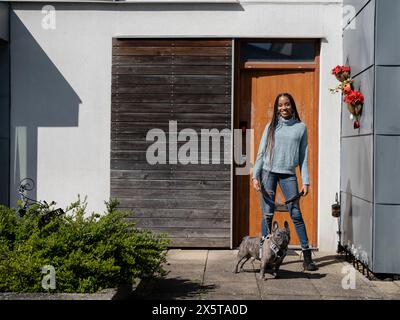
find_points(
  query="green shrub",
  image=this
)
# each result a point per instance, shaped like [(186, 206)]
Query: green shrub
[(88, 253)]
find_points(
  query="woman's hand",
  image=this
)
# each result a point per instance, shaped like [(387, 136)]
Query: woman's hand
[(305, 189), (256, 185)]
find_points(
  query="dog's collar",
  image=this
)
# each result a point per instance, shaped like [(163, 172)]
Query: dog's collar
[(277, 250)]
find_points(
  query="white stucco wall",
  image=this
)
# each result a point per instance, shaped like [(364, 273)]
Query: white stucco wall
[(61, 85)]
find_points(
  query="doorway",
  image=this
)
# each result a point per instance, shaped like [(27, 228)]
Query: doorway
[(263, 70)]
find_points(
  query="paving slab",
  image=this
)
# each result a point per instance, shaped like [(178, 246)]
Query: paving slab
[(233, 287), (289, 285), (186, 256), (388, 289), (291, 297), (207, 275), (332, 286), (229, 296)]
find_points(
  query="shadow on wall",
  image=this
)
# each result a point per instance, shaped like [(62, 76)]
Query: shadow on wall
[(40, 97), (347, 216)]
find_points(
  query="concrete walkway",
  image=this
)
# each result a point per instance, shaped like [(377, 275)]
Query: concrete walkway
[(207, 275)]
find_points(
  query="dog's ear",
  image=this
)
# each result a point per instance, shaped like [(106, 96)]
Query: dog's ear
[(286, 224), (275, 226)]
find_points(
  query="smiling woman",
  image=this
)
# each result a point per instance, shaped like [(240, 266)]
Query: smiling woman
[(283, 146)]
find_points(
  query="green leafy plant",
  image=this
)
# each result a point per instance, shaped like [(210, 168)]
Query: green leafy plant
[(88, 252)]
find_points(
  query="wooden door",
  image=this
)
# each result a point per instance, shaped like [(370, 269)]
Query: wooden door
[(155, 81), (258, 90)]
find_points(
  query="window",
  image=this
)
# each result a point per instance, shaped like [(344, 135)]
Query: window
[(303, 51)]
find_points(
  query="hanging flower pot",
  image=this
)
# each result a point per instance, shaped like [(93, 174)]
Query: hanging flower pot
[(355, 110), (354, 99), (351, 108), (342, 73)]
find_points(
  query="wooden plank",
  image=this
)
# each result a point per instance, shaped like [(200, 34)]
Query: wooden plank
[(175, 203), (161, 117), (163, 51), (177, 213), (151, 223), (129, 79), (140, 134), (201, 79), (138, 88), (177, 108), (195, 232), (119, 164), (143, 69), (142, 60), (135, 127), (208, 89), (142, 97), (177, 60), (165, 194), (141, 155), (142, 51), (171, 69), (170, 88), (171, 175), (124, 42), (133, 145), (200, 242), (171, 98), (169, 184), (142, 79)]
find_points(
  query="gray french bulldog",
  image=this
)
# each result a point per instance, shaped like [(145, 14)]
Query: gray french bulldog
[(273, 250)]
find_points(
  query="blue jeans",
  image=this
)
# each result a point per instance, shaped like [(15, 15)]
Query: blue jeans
[(288, 185)]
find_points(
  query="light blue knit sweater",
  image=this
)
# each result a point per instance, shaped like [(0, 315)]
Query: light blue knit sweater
[(291, 149)]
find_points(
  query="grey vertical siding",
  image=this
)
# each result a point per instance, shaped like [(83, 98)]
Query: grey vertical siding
[(155, 81), (357, 170), (4, 104), (4, 21), (4, 122), (370, 174)]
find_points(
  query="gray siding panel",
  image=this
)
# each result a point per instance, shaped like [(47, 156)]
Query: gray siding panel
[(4, 21), (352, 7), (386, 242), (387, 100), (4, 171), (388, 27), (357, 226), (365, 83), (356, 166), (369, 162), (387, 166), (4, 122), (358, 42)]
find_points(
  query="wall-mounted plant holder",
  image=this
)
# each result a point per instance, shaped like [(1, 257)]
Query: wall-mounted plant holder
[(336, 208)]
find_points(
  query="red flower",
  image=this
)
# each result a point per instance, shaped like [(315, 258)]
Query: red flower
[(340, 69), (336, 70), (354, 97)]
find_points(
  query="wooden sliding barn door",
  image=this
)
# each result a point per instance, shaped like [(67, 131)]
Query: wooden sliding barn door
[(153, 82)]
